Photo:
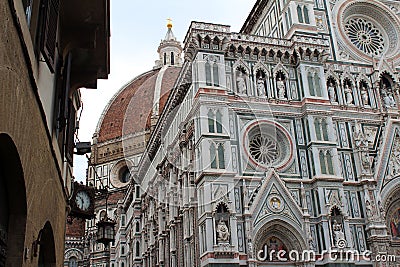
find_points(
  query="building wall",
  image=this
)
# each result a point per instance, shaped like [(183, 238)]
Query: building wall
[(22, 117)]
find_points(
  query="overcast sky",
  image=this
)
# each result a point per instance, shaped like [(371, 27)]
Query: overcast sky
[(137, 28)]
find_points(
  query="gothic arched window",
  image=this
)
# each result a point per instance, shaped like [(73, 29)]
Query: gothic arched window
[(218, 121), (216, 74), (137, 249), (310, 78), (221, 156), (213, 156), (324, 126), (306, 16), (322, 162), (329, 162), (317, 125), (300, 14), (211, 127), (208, 74)]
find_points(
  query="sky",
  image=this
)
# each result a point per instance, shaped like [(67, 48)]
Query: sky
[(137, 28)]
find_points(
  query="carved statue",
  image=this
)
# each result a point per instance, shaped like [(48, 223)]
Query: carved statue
[(364, 96), (223, 232), (388, 100), (260, 86), (337, 231), (332, 92), (281, 88), (349, 95), (241, 83), (368, 209)]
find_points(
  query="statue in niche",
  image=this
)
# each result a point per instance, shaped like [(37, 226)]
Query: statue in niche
[(332, 93), (223, 232), (368, 208), (364, 95), (349, 94), (261, 86), (337, 232), (280, 84), (388, 100), (241, 84)]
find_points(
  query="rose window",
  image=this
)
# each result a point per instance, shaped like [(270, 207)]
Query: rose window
[(263, 149), (365, 36), (268, 144)]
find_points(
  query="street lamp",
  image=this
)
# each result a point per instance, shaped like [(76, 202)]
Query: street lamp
[(105, 231)]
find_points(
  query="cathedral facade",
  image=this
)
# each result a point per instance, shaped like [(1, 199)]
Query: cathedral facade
[(277, 145)]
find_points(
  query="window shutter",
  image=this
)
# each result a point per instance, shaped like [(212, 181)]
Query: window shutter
[(48, 45), (69, 144)]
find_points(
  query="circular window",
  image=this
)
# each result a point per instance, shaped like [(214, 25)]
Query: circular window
[(369, 28), (268, 144), (120, 174), (263, 149), (365, 36), (125, 175)]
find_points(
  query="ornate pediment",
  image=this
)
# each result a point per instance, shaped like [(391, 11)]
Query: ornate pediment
[(274, 200)]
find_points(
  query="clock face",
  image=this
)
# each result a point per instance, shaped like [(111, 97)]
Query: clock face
[(82, 200)]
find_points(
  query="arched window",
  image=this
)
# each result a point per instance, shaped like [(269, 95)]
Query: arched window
[(172, 58), (322, 162), (73, 262), (122, 250), (208, 74), (122, 264), (317, 126), (324, 125), (165, 58), (216, 74), (137, 249), (310, 78), (306, 16), (317, 84), (218, 117), (290, 17), (221, 157), (329, 162), (300, 14), (137, 230), (211, 127), (213, 156)]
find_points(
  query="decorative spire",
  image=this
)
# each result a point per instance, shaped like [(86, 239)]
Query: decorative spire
[(170, 50), (169, 23)]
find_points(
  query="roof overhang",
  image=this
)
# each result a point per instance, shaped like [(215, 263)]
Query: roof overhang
[(85, 32)]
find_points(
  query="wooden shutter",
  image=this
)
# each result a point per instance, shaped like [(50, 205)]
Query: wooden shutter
[(48, 44), (69, 143)]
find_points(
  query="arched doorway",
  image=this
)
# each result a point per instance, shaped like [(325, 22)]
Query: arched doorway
[(47, 250), (274, 243), (12, 204)]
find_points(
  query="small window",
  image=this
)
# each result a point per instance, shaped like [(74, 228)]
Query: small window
[(73, 262), (218, 120), (211, 127), (221, 157), (208, 74), (322, 162), (300, 14), (125, 175), (172, 58), (137, 249), (306, 16), (165, 58), (311, 87), (216, 74), (213, 156), (122, 250)]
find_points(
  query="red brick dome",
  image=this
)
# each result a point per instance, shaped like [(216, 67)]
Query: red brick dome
[(131, 108)]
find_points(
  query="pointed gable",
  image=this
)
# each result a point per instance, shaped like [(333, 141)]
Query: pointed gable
[(274, 200)]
